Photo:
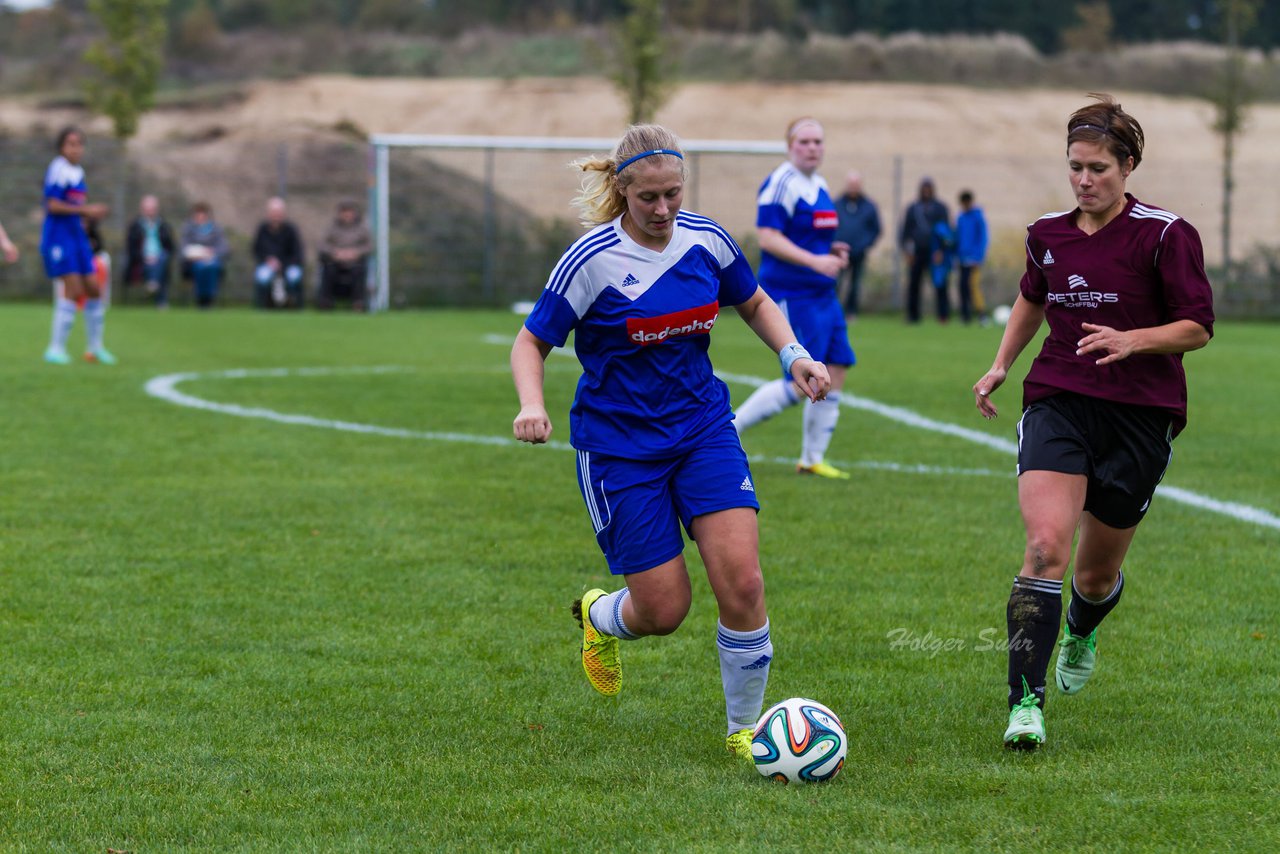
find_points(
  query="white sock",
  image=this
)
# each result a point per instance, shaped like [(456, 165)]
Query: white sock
[(64, 317), (765, 402), (94, 317), (744, 673), (606, 614), (819, 423)]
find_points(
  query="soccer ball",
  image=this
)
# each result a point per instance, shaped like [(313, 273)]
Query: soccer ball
[(1000, 314), (799, 741)]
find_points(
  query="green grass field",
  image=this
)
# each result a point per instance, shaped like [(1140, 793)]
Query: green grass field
[(237, 634)]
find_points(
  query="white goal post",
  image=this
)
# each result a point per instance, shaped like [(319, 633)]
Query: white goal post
[(380, 146)]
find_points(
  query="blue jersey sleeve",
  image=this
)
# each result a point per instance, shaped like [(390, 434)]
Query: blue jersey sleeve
[(737, 282), (552, 318), (772, 216)]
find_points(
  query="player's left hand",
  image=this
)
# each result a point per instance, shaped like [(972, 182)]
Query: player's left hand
[(1115, 344), (811, 379), (840, 249)]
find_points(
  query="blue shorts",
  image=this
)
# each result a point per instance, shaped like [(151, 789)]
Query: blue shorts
[(820, 328), (67, 256), (638, 506)]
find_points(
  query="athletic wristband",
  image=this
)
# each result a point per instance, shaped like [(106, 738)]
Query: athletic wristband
[(788, 355)]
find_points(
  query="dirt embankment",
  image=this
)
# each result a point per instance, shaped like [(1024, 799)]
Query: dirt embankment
[(1007, 146)]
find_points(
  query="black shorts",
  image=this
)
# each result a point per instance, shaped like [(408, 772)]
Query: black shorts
[(1122, 449)]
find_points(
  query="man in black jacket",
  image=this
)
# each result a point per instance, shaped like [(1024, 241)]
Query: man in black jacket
[(148, 251), (277, 253), (916, 239)]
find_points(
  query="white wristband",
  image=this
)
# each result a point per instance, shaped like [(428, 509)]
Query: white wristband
[(788, 355)]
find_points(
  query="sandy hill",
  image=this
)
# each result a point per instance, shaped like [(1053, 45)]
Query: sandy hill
[(1006, 146)]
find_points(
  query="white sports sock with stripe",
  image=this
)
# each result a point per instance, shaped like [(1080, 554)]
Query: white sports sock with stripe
[(764, 403), (94, 319), (606, 614), (64, 317), (819, 423), (744, 673)]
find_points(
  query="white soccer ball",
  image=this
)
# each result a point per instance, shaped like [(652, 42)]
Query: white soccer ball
[(1000, 314), (799, 741)]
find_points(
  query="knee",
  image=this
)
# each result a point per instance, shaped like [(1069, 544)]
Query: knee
[(661, 617), (743, 595), (1046, 555)]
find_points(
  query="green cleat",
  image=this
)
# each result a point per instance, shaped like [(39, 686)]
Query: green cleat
[(739, 744), (822, 469), (1026, 722), (57, 356), (600, 658), (1076, 658)]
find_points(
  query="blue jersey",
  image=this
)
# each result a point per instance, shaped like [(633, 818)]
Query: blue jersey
[(65, 182), (800, 207), (643, 321)]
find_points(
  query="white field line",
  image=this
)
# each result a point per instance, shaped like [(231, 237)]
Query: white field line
[(165, 388)]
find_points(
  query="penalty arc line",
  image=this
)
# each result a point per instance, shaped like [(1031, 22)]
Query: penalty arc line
[(165, 387)]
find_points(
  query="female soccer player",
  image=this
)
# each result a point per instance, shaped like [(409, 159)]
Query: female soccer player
[(799, 261), (1123, 287), (68, 257), (651, 423)]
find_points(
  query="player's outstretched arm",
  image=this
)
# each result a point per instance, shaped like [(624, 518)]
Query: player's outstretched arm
[(769, 323), (7, 249), (528, 354)]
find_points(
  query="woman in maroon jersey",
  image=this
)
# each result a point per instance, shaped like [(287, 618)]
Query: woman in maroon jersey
[(1123, 288)]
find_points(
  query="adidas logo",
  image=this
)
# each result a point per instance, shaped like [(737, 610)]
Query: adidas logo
[(759, 664), (629, 281), (1076, 281), (1048, 258), (746, 485)]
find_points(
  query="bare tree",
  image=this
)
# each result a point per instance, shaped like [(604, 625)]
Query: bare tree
[(644, 74), (1230, 99)]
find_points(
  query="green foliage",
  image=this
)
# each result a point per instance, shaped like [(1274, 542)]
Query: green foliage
[(644, 74), (228, 634), (128, 58)]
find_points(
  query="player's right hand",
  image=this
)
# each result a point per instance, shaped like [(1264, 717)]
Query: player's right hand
[(829, 265), (983, 388), (532, 425)]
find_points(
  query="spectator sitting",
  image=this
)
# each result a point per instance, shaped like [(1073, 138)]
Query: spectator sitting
[(277, 254), (148, 251), (204, 253), (344, 254)]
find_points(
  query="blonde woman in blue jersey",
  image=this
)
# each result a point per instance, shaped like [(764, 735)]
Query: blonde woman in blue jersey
[(68, 257), (800, 259), (651, 423)]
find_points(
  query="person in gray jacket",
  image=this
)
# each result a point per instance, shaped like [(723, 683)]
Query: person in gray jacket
[(344, 257)]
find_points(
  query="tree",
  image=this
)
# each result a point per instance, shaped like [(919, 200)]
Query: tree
[(643, 75), (1230, 99), (128, 57)]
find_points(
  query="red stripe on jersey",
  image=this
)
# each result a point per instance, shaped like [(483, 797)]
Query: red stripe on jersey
[(825, 219), (654, 330)]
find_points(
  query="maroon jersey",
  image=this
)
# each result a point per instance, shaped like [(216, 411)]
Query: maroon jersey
[(1144, 268)]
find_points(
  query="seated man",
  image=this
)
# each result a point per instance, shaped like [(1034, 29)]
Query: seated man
[(277, 254), (149, 250), (344, 254)]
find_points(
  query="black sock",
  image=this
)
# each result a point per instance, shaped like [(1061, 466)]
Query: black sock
[(1084, 616), (1034, 615)]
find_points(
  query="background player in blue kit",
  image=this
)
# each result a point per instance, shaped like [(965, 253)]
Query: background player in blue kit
[(799, 262), (651, 423), (1123, 288), (68, 257)]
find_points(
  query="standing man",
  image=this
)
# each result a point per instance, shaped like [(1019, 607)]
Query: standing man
[(916, 240), (277, 251), (149, 251), (971, 252), (860, 228)]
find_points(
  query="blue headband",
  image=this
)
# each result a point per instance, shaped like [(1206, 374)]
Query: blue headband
[(624, 164)]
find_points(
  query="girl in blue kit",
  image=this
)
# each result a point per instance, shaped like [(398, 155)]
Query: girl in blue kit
[(656, 448), (68, 257)]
